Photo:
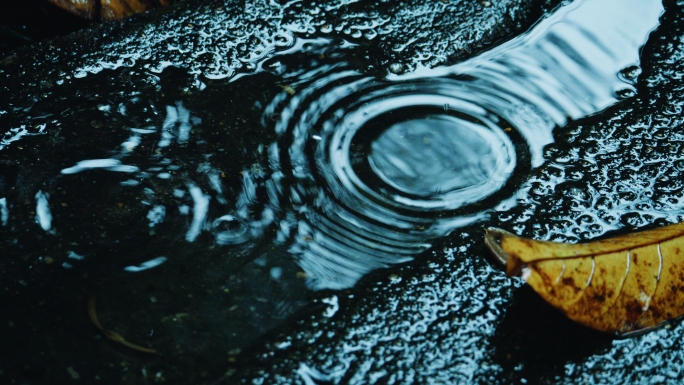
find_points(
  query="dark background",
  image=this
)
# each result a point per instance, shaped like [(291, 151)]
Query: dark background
[(30, 21)]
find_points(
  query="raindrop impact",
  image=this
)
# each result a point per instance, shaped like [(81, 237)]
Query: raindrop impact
[(368, 172)]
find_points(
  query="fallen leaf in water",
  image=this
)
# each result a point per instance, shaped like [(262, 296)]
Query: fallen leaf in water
[(107, 9), (619, 285)]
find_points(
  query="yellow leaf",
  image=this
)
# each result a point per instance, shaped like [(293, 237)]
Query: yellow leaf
[(620, 285)]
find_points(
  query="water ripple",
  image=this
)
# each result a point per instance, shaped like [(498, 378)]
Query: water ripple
[(368, 172)]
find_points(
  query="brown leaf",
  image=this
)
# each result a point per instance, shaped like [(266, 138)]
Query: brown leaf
[(116, 9), (107, 9), (620, 285), (85, 9)]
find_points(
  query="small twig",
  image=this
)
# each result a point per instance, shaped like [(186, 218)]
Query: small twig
[(112, 335)]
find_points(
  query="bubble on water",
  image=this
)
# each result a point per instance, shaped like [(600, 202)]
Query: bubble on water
[(626, 93), (370, 35), (630, 73)]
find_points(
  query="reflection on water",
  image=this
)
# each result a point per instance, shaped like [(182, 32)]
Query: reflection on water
[(368, 172), (364, 172), (423, 157)]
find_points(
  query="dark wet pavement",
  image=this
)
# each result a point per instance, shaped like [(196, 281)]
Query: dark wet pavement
[(172, 168)]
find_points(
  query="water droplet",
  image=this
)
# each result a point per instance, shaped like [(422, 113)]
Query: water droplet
[(625, 93), (370, 34), (396, 68), (398, 47), (283, 40), (630, 73)]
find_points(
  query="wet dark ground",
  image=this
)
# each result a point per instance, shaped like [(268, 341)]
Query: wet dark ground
[(245, 313)]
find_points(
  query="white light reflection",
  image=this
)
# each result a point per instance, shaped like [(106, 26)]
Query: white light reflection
[(130, 144), (146, 265), (106, 164), (177, 124), (14, 134), (199, 211), (73, 255), (149, 130), (156, 215), (43, 214), (334, 306), (4, 211), (310, 375)]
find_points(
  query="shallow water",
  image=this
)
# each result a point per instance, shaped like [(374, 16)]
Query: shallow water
[(200, 206)]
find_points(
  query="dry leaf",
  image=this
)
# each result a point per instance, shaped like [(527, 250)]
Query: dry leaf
[(107, 9), (620, 285)]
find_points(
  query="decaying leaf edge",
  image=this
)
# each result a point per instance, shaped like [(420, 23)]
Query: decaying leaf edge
[(512, 263), (550, 250), (493, 242)]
